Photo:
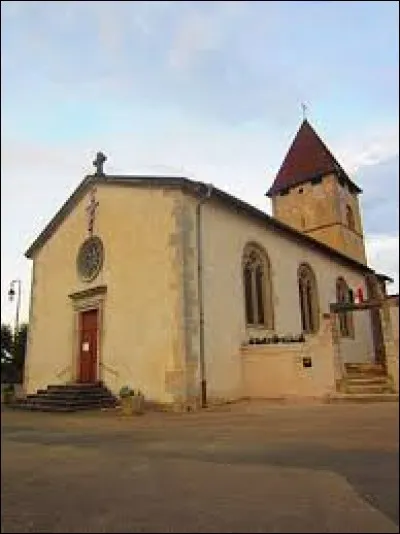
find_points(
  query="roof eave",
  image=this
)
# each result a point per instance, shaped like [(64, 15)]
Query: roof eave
[(385, 277), (273, 191)]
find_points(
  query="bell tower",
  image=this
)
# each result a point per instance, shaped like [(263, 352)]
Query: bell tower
[(313, 194)]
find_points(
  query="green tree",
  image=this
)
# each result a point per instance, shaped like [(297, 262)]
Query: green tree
[(19, 345), (13, 352), (6, 341)]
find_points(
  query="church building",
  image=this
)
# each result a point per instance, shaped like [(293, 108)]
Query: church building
[(179, 289)]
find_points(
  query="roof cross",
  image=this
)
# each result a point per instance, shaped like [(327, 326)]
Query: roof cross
[(99, 162), (304, 108)]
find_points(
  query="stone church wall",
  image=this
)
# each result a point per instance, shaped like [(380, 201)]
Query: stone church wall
[(141, 340), (226, 233), (291, 370)]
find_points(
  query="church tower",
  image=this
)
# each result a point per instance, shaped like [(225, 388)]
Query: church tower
[(313, 194)]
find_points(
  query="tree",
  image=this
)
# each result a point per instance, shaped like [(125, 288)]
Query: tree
[(13, 352), (19, 352), (6, 341)]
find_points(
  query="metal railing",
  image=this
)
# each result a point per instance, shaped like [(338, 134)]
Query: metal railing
[(109, 369)]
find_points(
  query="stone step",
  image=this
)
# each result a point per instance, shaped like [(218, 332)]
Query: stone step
[(76, 388), (360, 379), (363, 397), (68, 398), (61, 407), (48, 399), (52, 408), (71, 395), (367, 388), (41, 408), (365, 369), (72, 385)]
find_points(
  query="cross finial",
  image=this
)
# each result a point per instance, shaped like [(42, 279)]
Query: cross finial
[(98, 163), (304, 108)]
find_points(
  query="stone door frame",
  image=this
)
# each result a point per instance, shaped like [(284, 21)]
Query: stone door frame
[(89, 299), (383, 305)]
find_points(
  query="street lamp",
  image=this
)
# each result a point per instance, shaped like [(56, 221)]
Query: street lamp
[(11, 295)]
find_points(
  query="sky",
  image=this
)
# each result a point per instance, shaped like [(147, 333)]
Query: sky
[(208, 90)]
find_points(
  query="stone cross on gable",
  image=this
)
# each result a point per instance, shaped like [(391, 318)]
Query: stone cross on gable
[(91, 210), (99, 162)]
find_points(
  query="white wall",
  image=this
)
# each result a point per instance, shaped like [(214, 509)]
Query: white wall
[(225, 234)]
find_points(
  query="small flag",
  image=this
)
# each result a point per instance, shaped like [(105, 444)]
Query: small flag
[(359, 295)]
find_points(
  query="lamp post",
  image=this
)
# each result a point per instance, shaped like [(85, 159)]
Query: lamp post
[(11, 295)]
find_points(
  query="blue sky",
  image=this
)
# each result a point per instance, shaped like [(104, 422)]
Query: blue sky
[(212, 90)]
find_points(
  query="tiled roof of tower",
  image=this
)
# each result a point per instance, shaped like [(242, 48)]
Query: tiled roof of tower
[(307, 158)]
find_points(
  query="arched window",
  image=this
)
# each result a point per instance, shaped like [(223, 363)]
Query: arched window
[(308, 295), (350, 218), (257, 287), (345, 318)]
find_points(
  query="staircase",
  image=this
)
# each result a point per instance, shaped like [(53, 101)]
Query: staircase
[(68, 398), (365, 382)]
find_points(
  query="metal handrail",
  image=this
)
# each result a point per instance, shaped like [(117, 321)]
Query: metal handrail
[(109, 369), (63, 371)]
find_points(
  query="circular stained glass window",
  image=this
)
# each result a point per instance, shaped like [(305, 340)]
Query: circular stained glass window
[(90, 258)]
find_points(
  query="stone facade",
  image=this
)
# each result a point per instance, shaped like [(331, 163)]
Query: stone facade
[(319, 210), (142, 338)]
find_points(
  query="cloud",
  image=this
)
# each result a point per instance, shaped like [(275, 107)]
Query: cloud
[(229, 60), (197, 32), (372, 145), (379, 200), (383, 256), (204, 27)]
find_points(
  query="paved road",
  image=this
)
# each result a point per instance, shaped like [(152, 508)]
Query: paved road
[(250, 467)]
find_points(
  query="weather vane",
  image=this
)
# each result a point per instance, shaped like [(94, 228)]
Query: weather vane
[(304, 108)]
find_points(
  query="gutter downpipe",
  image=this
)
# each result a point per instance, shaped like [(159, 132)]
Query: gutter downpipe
[(202, 367)]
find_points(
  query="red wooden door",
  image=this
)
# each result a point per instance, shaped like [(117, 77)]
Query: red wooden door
[(88, 327)]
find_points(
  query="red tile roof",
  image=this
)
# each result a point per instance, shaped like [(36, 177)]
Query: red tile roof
[(307, 158)]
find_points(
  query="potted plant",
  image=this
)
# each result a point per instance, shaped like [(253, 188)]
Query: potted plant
[(138, 402), (131, 402), (125, 395)]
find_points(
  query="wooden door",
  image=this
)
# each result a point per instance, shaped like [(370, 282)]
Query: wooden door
[(88, 333)]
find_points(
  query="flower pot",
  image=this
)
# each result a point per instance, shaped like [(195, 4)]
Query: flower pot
[(127, 405), (132, 405), (138, 404)]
